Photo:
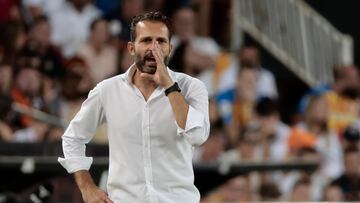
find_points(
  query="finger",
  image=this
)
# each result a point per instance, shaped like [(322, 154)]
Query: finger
[(156, 54), (147, 76), (161, 54)]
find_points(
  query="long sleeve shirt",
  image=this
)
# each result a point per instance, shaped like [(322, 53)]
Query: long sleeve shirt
[(150, 156)]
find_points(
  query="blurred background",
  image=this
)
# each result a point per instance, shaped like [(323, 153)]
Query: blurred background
[(282, 78)]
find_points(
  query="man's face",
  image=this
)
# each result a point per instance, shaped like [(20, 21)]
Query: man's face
[(250, 55), (149, 33), (184, 24), (41, 33)]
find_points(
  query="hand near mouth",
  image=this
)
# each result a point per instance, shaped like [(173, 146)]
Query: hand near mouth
[(161, 76)]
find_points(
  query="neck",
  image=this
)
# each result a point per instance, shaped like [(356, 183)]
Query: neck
[(145, 85)]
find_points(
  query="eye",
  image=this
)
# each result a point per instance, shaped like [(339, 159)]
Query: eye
[(146, 40), (161, 41)]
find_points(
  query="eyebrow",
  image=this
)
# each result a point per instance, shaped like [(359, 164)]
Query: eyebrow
[(157, 38)]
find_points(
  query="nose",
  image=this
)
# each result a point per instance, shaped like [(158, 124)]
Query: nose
[(153, 44)]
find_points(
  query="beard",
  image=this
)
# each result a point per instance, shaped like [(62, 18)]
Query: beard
[(147, 63)]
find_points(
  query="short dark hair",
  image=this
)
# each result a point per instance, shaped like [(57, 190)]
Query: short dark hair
[(154, 16)]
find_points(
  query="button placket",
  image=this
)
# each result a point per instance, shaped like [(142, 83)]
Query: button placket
[(146, 146)]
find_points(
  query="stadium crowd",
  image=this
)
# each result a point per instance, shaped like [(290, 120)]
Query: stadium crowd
[(52, 53)]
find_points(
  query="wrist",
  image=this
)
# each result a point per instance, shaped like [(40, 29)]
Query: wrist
[(173, 88), (168, 84)]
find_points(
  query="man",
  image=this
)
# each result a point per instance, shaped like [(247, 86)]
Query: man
[(265, 85), (342, 97), (152, 126)]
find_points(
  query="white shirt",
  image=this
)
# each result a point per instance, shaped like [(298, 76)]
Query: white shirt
[(71, 28), (265, 85), (150, 156)]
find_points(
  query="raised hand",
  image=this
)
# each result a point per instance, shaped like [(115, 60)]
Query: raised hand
[(161, 77)]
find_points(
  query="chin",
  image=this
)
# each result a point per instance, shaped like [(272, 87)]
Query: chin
[(149, 70)]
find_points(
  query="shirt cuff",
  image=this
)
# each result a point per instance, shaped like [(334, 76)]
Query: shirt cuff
[(73, 164), (196, 130), (194, 119)]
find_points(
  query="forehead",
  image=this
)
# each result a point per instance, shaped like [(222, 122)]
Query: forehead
[(151, 29)]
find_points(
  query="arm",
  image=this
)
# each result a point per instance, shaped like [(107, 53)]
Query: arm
[(90, 192), (180, 108), (192, 114), (80, 132)]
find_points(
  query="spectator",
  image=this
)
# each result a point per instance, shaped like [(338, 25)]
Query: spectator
[(314, 182), (36, 132), (70, 23), (26, 88), (129, 9), (234, 190), (246, 149), (349, 181), (333, 193), (247, 56), (314, 133), (99, 56), (274, 133), (236, 107), (199, 53), (39, 43), (76, 85), (342, 98), (36, 8), (265, 86), (12, 40), (301, 191), (211, 150)]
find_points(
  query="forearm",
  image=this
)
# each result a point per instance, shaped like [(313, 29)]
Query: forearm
[(90, 192), (180, 108), (84, 180)]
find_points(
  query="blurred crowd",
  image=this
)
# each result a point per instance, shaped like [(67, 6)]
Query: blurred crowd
[(52, 53)]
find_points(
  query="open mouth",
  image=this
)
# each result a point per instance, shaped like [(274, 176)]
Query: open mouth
[(150, 61)]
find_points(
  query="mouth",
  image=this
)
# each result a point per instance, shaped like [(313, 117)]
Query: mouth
[(150, 61)]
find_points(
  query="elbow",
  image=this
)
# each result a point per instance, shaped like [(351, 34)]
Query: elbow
[(197, 136)]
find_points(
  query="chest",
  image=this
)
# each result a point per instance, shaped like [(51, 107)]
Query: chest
[(128, 110)]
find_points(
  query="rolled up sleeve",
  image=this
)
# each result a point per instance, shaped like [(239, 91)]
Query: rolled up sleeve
[(80, 131), (197, 121)]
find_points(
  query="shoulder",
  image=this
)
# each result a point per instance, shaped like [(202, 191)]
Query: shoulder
[(111, 82), (187, 82)]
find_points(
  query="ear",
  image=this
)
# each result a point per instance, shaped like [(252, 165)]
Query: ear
[(170, 49), (131, 48)]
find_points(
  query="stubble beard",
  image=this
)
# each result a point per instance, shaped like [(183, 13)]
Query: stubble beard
[(140, 63)]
